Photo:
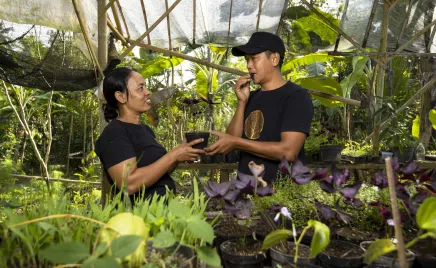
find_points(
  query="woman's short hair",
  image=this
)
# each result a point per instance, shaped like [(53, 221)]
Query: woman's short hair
[(115, 81)]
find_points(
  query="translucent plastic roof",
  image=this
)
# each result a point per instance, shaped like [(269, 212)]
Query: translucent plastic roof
[(358, 13), (211, 18)]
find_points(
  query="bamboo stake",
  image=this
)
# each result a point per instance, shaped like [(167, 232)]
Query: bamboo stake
[(106, 7), (116, 17), (230, 21), (406, 20), (137, 41), (285, 7), (416, 36), (430, 42), (50, 136), (428, 86), (124, 19), (70, 137), (115, 31), (86, 36), (338, 37), (370, 20), (258, 15), (396, 214), (239, 72), (144, 13)]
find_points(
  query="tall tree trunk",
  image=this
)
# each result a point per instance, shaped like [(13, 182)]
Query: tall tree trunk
[(49, 126)]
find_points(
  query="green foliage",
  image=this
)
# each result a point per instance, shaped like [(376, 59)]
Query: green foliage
[(378, 248), (322, 84), (66, 252), (426, 215), (275, 236), (320, 239), (314, 24), (432, 117), (355, 149)]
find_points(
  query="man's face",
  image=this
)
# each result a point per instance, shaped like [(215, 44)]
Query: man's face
[(260, 66)]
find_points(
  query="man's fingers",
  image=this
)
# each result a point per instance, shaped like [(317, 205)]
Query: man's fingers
[(216, 133), (210, 148), (197, 151)]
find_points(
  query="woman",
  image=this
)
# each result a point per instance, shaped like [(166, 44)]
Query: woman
[(129, 151)]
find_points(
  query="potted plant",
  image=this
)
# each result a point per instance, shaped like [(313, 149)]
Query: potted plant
[(355, 152), (312, 146), (237, 195), (195, 126), (401, 142), (331, 151)]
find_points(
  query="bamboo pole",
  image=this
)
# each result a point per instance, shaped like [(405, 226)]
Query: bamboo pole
[(69, 145), (428, 86), (380, 54), (86, 35), (406, 20), (430, 42), (370, 20), (258, 15), (124, 19), (111, 2), (116, 17), (138, 41), (396, 214), (26, 177), (338, 37), (50, 136), (115, 31), (144, 13), (194, 24), (280, 26), (416, 36), (230, 22)]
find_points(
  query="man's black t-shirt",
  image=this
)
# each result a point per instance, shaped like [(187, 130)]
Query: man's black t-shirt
[(121, 141), (268, 114)]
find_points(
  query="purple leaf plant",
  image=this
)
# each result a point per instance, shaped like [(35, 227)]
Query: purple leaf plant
[(236, 192)]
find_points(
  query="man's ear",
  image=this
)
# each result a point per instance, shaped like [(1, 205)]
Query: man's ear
[(120, 96), (276, 59)]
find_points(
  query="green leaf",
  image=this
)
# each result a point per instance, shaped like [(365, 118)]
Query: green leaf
[(105, 262), (202, 82), (100, 249), (200, 229), (66, 252), (426, 215), (125, 245), (415, 127), (178, 209), (217, 50), (300, 39), (317, 68), (378, 248), (209, 256), (314, 24), (432, 117), (274, 237), (164, 239), (157, 65), (46, 226), (323, 84), (348, 82), (294, 63), (320, 239)]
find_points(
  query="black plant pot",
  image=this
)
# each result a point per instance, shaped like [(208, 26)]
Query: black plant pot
[(232, 157), (223, 234), (233, 259), (190, 136), (280, 258), (187, 252), (331, 153), (353, 255), (354, 236), (404, 156), (218, 158), (206, 159), (388, 260)]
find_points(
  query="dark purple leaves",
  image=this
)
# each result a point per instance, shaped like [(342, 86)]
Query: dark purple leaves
[(298, 168), (373, 203), (350, 191), (343, 216), (385, 212), (264, 191), (420, 196), (402, 193), (320, 173), (284, 166), (340, 177), (395, 164), (410, 168), (327, 187), (379, 180), (232, 195), (217, 190), (303, 178), (355, 202), (241, 185), (326, 211), (241, 209)]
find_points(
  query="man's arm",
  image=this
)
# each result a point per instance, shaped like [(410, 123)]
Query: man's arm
[(237, 125), (289, 145)]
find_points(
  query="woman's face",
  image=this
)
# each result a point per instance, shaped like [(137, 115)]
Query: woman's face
[(139, 96)]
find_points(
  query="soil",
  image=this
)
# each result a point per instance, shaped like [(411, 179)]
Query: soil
[(232, 230), (355, 235), (262, 230), (243, 247), (340, 249), (303, 252)]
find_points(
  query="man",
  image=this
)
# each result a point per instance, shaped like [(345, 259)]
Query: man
[(270, 122)]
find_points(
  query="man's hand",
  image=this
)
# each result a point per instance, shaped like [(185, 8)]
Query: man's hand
[(185, 152), (224, 145), (242, 88)]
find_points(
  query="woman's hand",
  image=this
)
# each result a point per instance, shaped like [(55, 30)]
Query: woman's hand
[(185, 152)]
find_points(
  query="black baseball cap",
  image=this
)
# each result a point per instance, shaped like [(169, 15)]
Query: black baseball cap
[(260, 42)]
